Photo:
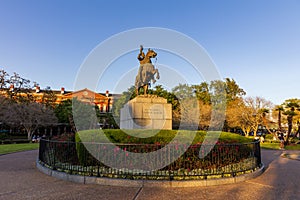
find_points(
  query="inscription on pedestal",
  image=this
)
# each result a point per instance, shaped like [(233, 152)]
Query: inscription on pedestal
[(146, 113), (153, 111)]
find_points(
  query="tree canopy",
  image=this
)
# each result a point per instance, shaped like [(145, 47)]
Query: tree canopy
[(19, 108), (207, 96)]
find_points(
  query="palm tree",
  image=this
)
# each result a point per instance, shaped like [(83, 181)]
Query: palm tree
[(280, 109), (292, 106)]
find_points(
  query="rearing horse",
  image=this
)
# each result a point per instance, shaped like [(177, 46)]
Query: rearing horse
[(146, 71)]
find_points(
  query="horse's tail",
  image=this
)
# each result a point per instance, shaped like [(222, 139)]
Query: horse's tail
[(157, 74), (136, 81)]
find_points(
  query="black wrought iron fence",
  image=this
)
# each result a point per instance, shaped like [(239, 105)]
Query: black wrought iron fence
[(96, 159)]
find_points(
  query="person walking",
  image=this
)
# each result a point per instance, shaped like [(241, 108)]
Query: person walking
[(281, 139)]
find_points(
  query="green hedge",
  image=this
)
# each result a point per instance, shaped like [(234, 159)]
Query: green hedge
[(161, 138)]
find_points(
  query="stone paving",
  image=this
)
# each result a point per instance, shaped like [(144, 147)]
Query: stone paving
[(20, 179)]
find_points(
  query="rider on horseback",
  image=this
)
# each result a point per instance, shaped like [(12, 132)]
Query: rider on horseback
[(141, 55), (146, 70)]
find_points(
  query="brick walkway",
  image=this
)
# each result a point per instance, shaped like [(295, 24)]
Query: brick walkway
[(19, 179)]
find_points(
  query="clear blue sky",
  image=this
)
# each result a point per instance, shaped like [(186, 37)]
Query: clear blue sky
[(257, 43)]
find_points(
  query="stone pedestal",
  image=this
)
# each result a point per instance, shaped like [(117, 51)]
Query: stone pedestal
[(146, 112)]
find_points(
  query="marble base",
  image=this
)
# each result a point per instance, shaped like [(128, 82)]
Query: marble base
[(146, 112)]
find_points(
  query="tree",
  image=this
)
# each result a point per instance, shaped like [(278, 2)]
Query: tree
[(228, 88), (298, 130), (3, 79), (202, 92), (15, 87), (29, 115), (183, 91), (292, 106), (21, 89), (181, 104), (279, 109), (159, 91), (257, 108), (4, 103), (188, 114), (205, 115), (248, 113), (211, 99), (84, 115), (238, 115), (63, 111), (20, 108), (233, 91), (264, 113), (120, 102), (171, 97), (48, 98)]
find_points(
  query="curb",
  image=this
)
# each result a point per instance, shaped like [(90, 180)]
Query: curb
[(291, 156), (148, 183)]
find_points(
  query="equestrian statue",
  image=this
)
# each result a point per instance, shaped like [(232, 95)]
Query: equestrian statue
[(146, 70)]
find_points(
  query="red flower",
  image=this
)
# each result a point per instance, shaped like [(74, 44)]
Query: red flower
[(237, 148), (116, 149)]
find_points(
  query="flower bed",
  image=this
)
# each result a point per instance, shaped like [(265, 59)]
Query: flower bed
[(196, 161)]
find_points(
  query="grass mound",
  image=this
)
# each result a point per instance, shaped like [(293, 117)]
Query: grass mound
[(156, 136), (156, 140)]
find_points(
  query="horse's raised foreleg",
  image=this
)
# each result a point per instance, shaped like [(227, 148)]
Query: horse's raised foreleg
[(155, 71)]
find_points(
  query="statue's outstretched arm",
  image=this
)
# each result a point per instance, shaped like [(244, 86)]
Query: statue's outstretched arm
[(141, 55)]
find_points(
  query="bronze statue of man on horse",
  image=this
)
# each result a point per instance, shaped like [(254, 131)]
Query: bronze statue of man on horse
[(146, 70)]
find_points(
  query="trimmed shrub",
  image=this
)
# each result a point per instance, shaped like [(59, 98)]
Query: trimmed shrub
[(229, 154)]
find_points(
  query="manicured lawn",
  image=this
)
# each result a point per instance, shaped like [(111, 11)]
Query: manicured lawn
[(293, 147), (268, 145), (11, 148)]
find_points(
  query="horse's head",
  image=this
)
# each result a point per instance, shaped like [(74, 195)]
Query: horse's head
[(151, 53)]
